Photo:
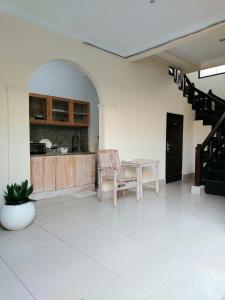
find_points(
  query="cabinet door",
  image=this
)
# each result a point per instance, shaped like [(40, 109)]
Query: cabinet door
[(81, 113), (61, 111), (43, 173), (38, 109), (65, 171), (85, 169)]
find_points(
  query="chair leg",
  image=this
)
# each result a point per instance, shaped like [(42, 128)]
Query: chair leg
[(115, 196), (115, 189), (100, 195), (157, 178), (138, 191), (99, 186), (138, 188)]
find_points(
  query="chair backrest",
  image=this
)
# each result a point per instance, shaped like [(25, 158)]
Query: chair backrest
[(108, 161)]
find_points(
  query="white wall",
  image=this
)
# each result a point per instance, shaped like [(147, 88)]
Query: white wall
[(4, 151), (137, 123), (134, 97), (215, 83), (18, 135), (59, 78)]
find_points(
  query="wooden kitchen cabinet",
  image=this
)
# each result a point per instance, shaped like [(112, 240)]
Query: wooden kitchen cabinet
[(50, 173), (43, 173), (50, 110), (85, 169), (39, 109), (66, 171), (81, 113), (61, 113)]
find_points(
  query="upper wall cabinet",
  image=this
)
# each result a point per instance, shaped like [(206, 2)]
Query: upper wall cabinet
[(51, 110), (39, 109), (60, 111), (81, 113)]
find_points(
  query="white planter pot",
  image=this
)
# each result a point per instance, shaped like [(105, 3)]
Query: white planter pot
[(16, 217)]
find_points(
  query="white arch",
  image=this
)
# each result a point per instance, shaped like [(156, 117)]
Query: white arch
[(79, 67), (93, 127)]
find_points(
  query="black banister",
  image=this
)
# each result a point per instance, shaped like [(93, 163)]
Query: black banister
[(199, 153), (187, 80), (210, 97), (217, 97), (214, 130), (198, 165), (211, 109)]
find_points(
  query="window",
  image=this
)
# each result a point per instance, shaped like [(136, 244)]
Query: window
[(212, 71)]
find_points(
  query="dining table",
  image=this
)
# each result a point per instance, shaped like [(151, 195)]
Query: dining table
[(139, 164)]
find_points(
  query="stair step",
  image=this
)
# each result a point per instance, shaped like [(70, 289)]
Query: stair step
[(221, 156), (208, 117), (215, 174), (207, 122), (219, 106), (214, 187), (219, 165)]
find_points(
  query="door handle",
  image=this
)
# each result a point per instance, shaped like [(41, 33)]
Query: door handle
[(168, 146)]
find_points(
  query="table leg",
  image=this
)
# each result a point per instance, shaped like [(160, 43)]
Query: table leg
[(157, 178), (138, 175), (141, 181)]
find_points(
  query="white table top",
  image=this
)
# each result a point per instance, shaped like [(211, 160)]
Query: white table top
[(140, 162)]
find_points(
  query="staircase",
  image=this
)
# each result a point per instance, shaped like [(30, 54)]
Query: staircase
[(210, 155)]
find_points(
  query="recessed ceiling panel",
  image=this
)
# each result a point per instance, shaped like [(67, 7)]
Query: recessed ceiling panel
[(122, 26)]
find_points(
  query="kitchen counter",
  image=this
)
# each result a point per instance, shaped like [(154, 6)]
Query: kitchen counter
[(55, 153), (55, 171)]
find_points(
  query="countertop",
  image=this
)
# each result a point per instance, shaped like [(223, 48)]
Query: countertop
[(55, 153)]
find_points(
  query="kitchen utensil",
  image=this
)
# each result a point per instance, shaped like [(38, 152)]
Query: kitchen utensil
[(47, 142), (63, 150)]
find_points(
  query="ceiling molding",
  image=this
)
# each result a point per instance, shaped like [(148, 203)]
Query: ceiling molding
[(102, 49), (174, 43)]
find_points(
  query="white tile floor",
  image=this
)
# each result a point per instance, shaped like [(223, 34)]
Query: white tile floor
[(167, 247)]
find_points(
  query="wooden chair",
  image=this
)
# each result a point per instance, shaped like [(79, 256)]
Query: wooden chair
[(110, 169)]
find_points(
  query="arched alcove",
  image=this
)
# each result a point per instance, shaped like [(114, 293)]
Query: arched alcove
[(66, 79)]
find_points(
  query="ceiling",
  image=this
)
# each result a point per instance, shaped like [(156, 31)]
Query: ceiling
[(129, 27), (125, 27), (198, 52)]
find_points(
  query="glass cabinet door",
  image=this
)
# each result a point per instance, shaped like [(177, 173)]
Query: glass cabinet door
[(38, 107), (60, 110), (81, 113)]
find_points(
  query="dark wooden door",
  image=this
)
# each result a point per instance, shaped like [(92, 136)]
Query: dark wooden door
[(174, 147)]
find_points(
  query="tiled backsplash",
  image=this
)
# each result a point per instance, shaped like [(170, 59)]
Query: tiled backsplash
[(59, 135)]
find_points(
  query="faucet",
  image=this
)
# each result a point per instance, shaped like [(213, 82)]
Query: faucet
[(75, 143)]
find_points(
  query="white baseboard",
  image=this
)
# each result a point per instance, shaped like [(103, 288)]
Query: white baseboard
[(188, 176), (51, 194)]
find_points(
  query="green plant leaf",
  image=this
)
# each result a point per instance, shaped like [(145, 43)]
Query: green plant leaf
[(17, 194)]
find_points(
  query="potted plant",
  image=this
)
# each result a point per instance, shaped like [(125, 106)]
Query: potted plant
[(18, 211)]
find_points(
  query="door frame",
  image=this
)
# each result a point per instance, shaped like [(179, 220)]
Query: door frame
[(182, 119)]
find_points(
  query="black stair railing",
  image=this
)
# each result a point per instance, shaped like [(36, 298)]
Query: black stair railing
[(209, 150), (205, 104), (200, 100)]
